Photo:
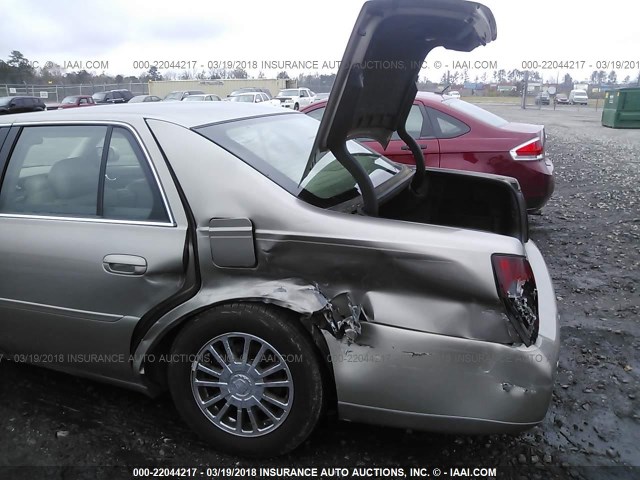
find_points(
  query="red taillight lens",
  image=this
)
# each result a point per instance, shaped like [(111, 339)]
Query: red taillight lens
[(532, 150), (517, 289)]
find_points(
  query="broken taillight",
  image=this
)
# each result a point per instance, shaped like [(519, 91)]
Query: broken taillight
[(531, 150), (517, 289)]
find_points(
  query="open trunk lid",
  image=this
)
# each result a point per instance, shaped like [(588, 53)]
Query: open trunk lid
[(376, 82)]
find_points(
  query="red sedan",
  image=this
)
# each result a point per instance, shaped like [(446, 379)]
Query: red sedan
[(74, 101), (458, 135)]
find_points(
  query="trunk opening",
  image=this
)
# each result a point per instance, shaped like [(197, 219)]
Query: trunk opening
[(464, 200)]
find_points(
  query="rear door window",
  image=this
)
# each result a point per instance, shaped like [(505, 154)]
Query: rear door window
[(445, 125), (54, 170), (61, 171), (130, 190), (418, 125)]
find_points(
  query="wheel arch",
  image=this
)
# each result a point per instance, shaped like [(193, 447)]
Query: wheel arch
[(155, 372)]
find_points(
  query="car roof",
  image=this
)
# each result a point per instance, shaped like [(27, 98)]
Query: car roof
[(20, 96), (430, 98), (188, 114)]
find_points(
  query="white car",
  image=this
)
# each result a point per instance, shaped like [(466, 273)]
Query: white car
[(207, 97), (454, 94), (295, 98), (318, 97), (578, 96), (254, 97)]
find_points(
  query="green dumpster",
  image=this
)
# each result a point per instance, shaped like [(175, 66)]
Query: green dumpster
[(622, 108)]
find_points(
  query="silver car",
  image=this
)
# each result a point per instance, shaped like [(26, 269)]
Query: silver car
[(261, 266)]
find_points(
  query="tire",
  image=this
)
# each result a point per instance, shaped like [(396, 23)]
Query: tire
[(296, 107), (239, 385)]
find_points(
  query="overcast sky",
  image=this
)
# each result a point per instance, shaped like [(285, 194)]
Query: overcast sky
[(122, 32)]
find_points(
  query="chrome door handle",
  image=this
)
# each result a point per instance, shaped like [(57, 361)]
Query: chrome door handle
[(124, 264)]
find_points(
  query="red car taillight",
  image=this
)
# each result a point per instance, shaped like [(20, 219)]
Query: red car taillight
[(517, 289), (531, 150)]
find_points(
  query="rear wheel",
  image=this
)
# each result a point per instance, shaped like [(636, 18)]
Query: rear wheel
[(247, 379)]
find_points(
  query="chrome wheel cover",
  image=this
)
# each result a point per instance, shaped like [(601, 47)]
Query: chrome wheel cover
[(242, 384)]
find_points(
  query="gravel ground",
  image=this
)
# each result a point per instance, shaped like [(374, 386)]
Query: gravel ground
[(589, 234)]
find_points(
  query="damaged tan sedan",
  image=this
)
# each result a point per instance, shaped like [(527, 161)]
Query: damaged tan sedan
[(261, 266)]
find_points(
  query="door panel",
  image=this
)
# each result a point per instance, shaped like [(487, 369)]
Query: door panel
[(419, 127), (56, 296)]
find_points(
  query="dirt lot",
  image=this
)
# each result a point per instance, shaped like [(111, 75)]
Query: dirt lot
[(590, 236)]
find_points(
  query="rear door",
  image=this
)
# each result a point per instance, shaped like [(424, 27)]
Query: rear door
[(88, 240), (420, 128)]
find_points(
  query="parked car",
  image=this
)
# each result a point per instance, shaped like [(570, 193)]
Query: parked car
[(260, 265), (255, 97), (578, 97), (454, 94), (113, 96), (249, 90), (207, 97), (294, 98), (145, 98), (319, 97), (561, 99), (76, 101), (542, 98), (180, 95), (21, 104), (456, 134)]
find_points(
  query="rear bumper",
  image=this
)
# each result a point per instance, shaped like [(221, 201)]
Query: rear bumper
[(536, 181), (543, 194), (432, 382)]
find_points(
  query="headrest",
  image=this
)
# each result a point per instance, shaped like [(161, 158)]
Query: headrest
[(73, 177)]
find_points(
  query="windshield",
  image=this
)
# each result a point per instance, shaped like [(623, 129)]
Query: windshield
[(279, 146), (194, 98), (99, 96), (292, 92), (174, 96), (68, 100), (4, 101), (475, 112)]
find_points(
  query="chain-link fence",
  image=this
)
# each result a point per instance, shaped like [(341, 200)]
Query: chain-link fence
[(55, 93), (552, 97)]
